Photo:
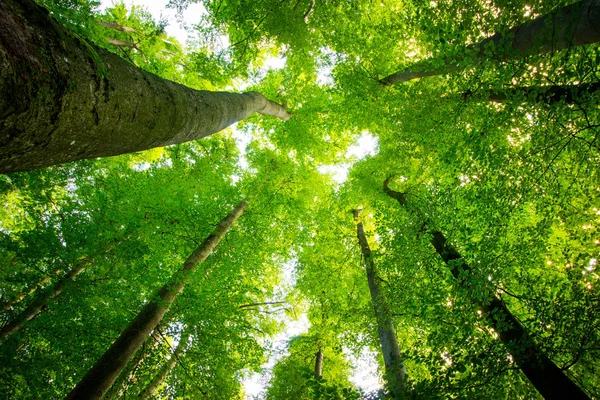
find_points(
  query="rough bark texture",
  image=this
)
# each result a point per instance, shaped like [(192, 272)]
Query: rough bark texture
[(577, 24), (394, 367), (319, 364), (62, 99), (103, 374), (41, 301), (159, 378), (549, 380)]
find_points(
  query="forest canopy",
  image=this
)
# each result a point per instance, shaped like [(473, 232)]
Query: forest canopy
[(297, 189)]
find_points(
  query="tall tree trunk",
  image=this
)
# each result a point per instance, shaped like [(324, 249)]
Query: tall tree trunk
[(7, 305), (569, 94), (62, 99), (127, 376), (319, 364), (549, 380), (102, 375), (577, 24), (159, 378), (42, 300), (395, 371)]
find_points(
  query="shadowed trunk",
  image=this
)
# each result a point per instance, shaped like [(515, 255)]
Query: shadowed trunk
[(166, 369), (106, 370), (577, 24), (549, 380), (41, 301), (395, 371), (63, 99), (319, 364), (7, 305), (119, 389)]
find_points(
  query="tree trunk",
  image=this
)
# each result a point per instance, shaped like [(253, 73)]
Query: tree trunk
[(117, 27), (319, 364), (102, 375), (549, 380), (62, 99), (41, 301), (577, 24), (119, 389), (569, 94), (7, 305), (166, 369), (395, 371)]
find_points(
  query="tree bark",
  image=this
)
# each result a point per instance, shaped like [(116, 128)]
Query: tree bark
[(319, 364), (63, 99), (549, 380), (159, 378), (395, 371), (128, 374), (42, 300), (577, 24), (117, 27), (7, 305), (102, 375)]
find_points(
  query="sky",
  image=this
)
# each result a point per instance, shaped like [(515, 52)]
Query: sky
[(365, 366)]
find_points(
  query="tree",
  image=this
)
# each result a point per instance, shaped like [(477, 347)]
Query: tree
[(547, 377), (106, 370), (573, 25), (65, 99), (395, 372)]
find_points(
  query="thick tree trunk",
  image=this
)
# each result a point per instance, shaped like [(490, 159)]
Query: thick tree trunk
[(319, 364), (159, 378), (395, 371), (41, 301), (569, 94), (577, 24), (549, 380), (62, 99), (102, 375)]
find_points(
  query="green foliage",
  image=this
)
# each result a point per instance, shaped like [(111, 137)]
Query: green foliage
[(514, 186)]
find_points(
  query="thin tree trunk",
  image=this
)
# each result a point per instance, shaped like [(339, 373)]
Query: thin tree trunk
[(549, 380), (62, 99), (577, 24), (395, 371), (102, 375), (117, 27), (128, 375), (569, 94), (166, 369), (7, 305), (121, 43), (319, 364), (42, 300)]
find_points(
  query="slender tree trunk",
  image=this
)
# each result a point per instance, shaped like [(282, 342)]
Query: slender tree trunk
[(319, 364), (549, 380), (577, 24), (569, 94), (117, 27), (121, 43), (395, 371), (119, 389), (159, 378), (63, 99), (7, 305), (102, 375), (41, 300)]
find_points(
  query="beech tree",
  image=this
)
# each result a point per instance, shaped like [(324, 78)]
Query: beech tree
[(573, 25), (84, 102)]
